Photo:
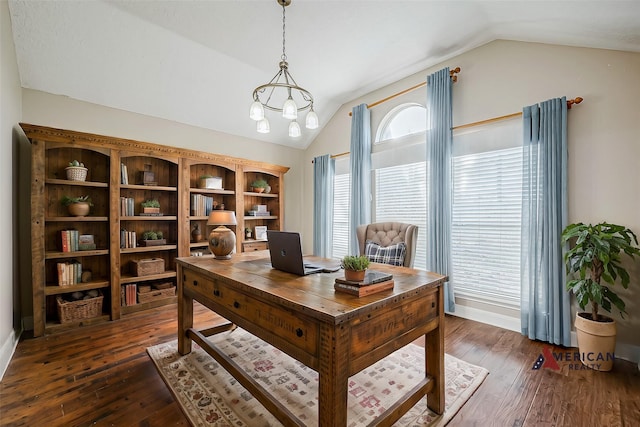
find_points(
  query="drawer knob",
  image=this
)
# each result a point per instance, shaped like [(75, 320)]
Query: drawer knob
[(236, 304), (195, 283), (433, 304), (299, 332), (216, 292)]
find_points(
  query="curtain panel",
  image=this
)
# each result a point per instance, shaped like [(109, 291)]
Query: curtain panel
[(323, 175), (360, 167), (545, 311), (439, 141)]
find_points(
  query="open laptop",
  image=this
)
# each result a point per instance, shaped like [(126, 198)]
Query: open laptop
[(285, 250)]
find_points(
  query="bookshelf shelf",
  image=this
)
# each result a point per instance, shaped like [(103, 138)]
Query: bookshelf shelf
[(57, 290)]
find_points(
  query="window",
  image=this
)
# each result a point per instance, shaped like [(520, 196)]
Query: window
[(340, 214), (405, 119), (486, 205)]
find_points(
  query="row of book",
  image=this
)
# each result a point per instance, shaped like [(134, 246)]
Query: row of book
[(128, 239), (69, 273), (72, 241), (124, 175), (128, 294), (202, 205), (127, 206)]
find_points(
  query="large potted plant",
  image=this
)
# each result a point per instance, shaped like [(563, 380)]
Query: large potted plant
[(594, 266)]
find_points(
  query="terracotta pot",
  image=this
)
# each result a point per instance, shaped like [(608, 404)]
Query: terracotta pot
[(353, 275), (596, 342), (79, 209)]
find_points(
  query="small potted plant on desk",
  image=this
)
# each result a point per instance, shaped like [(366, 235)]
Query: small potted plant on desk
[(355, 267), (595, 257), (78, 206)]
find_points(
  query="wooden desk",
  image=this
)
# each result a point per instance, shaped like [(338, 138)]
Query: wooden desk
[(335, 334)]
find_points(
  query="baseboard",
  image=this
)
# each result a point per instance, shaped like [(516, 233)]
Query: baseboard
[(483, 316), (7, 350)]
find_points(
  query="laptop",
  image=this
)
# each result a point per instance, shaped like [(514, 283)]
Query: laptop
[(285, 250)]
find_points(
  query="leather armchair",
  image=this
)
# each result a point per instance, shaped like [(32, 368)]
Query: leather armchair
[(390, 233)]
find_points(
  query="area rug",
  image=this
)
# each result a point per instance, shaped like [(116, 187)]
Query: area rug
[(209, 396)]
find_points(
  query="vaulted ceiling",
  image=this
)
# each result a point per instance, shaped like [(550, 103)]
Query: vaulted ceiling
[(197, 61)]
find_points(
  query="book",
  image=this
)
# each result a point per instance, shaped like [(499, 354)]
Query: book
[(371, 277), (362, 291)]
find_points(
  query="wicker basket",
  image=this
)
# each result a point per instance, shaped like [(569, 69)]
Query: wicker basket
[(79, 310), (156, 294), (76, 173), (148, 266)]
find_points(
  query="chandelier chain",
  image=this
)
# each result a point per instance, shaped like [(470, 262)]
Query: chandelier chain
[(284, 54)]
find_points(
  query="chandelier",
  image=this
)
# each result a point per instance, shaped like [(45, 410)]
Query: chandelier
[(282, 94)]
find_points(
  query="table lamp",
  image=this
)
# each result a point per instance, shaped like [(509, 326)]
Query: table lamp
[(222, 240)]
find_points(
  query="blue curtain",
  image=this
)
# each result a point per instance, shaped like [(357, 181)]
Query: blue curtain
[(360, 167), (544, 301), (323, 174), (439, 141)]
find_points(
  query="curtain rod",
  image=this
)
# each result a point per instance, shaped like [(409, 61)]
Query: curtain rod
[(570, 102), (452, 73)]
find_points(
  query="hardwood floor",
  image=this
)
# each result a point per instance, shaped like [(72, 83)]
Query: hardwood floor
[(101, 375)]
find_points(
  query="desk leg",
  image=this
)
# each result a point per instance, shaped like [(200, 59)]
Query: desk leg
[(185, 315), (434, 359), (333, 376)]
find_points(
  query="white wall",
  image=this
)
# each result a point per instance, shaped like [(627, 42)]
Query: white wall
[(10, 107), (604, 148)]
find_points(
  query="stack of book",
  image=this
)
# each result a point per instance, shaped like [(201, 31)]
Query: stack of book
[(374, 282)]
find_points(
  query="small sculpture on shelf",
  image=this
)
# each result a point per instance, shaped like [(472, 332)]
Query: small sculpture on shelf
[(196, 233), (147, 176)]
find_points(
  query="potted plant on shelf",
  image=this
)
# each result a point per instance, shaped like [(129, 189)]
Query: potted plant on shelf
[(78, 206), (259, 185), (151, 206), (153, 238), (596, 258), (355, 267), (76, 171)]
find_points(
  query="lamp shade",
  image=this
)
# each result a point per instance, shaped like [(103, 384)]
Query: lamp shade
[(256, 111), (222, 240), (218, 217), (312, 121), (290, 109), (263, 126), (294, 129)]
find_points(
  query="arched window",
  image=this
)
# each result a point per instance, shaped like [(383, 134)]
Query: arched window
[(403, 120)]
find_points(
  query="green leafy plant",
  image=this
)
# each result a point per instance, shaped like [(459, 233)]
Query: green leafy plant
[(66, 200), (206, 176), (595, 258), (152, 203), (356, 263), (259, 183), (75, 163), (152, 235)]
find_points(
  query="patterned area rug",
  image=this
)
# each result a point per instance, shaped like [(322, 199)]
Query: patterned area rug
[(209, 396)]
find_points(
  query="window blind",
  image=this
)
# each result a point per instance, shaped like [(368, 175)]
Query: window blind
[(485, 240), (340, 215)]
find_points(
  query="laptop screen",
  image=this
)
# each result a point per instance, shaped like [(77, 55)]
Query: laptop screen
[(285, 250)]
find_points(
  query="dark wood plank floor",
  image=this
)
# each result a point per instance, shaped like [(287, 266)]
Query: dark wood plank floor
[(101, 375)]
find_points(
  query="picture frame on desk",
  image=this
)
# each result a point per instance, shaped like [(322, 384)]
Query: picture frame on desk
[(261, 232)]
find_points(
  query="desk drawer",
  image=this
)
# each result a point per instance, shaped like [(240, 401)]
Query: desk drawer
[(394, 322), (297, 330), (254, 246)]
